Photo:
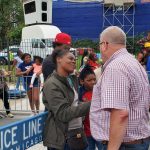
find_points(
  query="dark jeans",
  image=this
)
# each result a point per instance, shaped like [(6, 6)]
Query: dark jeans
[(92, 144), (142, 146), (4, 97), (65, 148)]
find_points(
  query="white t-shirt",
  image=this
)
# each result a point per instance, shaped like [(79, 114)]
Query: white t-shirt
[(98, 72), (19, 61), (77, 122)]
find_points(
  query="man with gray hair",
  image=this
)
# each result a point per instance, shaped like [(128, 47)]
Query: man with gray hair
[(119, 115)]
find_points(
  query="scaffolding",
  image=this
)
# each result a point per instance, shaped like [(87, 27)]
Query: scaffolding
[(120, 13)]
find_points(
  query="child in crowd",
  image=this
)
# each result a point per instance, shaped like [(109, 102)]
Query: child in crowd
[(88, 80), (37, 70)]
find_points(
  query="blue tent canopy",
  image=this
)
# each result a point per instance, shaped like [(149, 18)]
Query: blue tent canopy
[(85, 20)]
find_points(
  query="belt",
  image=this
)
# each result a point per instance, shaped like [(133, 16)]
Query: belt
[(140, 141)]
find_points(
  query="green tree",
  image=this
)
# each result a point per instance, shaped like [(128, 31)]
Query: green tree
[(15, 32), (86, 43), (132, 45), (11, 17)]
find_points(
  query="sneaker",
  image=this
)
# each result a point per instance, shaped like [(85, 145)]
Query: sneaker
[(10, 115), (33, 114), (37, 113)]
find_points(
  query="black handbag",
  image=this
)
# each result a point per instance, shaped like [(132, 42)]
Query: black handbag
[(76, 139)]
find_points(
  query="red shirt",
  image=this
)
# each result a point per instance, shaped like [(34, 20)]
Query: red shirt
[(87, 96)]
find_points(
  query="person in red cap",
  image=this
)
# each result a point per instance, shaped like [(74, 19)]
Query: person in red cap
[(62, 41), (63, 38)]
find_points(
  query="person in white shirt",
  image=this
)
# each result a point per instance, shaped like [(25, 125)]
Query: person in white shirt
[(16, 62)]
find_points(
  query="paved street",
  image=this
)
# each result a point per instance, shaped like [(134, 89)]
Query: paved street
[(22, 106), (38, 147)]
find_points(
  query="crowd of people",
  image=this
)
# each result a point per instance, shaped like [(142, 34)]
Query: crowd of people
[(103, 106), (115, 105), (29, 72)]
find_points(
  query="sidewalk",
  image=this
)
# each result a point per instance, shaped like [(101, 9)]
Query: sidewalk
[(38, 147)]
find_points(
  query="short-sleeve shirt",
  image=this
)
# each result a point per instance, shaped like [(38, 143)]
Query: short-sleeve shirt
[(37, 68), (19, 61), (87, 96), (123, 85), (23, 67)]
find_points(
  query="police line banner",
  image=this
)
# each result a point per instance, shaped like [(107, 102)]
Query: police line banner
[(22, 134)]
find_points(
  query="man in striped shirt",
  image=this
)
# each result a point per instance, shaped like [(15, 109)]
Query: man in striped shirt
[(119, 115)]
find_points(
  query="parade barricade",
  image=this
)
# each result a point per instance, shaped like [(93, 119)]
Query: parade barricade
[(17, 96), (22, 134)]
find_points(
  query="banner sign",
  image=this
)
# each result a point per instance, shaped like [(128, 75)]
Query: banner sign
[(22, 134)]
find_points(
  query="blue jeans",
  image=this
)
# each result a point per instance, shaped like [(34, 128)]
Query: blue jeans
[(20, 79), (92, 144), (142, 146)]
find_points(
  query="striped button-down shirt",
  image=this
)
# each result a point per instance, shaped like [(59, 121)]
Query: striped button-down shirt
[(123, 85)]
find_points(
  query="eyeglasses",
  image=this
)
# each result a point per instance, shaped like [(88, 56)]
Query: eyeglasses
[(100, 43)]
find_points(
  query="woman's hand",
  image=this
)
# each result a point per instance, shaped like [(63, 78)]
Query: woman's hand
[(27, 71)]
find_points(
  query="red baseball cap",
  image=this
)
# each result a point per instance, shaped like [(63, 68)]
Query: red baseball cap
[(63, 38)]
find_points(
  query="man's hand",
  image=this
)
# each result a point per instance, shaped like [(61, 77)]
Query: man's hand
[(118, 124)]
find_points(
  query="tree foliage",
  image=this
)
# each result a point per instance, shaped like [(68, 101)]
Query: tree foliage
[(132, 45), (15, 33), (11, 18), (87, 43)]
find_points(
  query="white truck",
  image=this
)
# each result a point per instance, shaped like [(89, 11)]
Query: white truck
[(38, 34), (37, 39)]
